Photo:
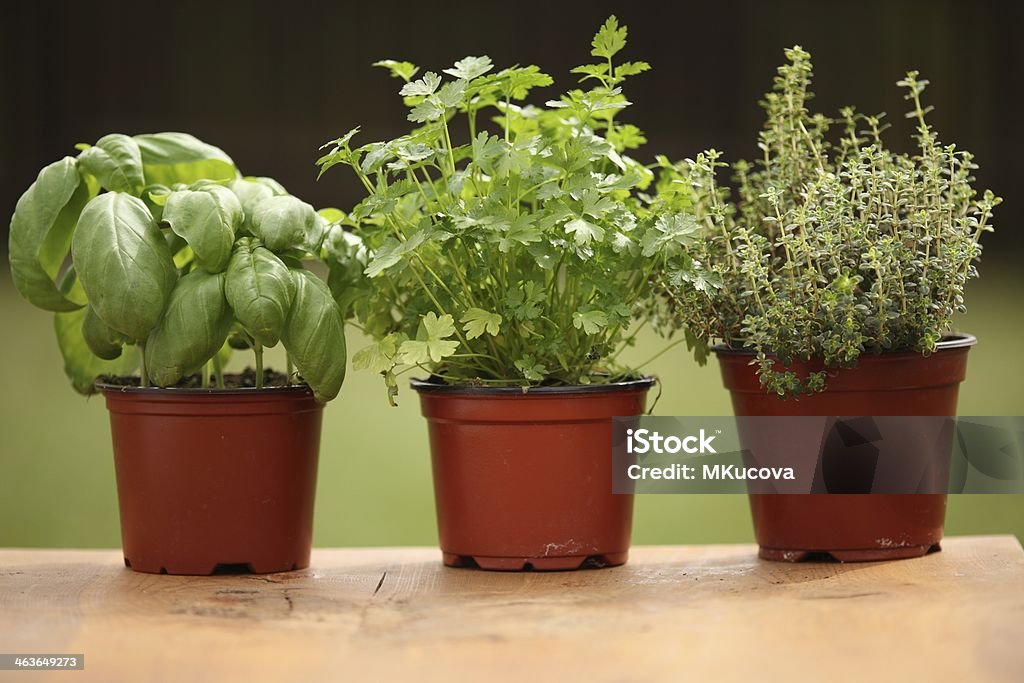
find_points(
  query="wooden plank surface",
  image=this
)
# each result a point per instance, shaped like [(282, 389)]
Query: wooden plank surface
[(682, 613)]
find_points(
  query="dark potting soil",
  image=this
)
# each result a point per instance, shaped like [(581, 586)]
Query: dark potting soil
[(244, 379)]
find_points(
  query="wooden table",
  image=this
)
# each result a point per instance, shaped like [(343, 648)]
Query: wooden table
[(698, 613)]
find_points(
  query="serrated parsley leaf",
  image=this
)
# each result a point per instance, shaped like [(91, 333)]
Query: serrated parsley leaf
[(422, 87), (517, 82), (416, 151), (531, 369), (631, 68), (609, 39), (450, 94), (427, 110), (673, 230), (477, 321), (591, 71), (590, 322), (430, 344), (392, 252), (403, 70), (378, 357), (583, 231), (470, 67)]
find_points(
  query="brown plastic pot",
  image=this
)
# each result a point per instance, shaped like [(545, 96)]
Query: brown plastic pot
[(524, 480), (853, 527), (215, 481)]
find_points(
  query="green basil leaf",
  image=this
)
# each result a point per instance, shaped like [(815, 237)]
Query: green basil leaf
[(101, 340), (193, 328), (315, 336), (259, 288), (81, 365), (207, 219), (41, 232), (275, 187), (249, 193), (123, 263), (170, 158), (116, 162), (283, 222)]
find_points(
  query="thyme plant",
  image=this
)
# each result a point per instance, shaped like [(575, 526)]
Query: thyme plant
[(837, 246), (518, 256)]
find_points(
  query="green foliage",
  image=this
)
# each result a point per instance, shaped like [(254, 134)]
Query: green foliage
[(160, 230), (116, 163), (207, 219), (101, 340), (315, 336), (193, 328), (41, 229), (173, 158), (283, 222), (836, 247), (501, 242), (123, 263), (81, 365), (260, 290)]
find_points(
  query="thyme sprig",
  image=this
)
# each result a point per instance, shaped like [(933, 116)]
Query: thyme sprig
[(836, 247)]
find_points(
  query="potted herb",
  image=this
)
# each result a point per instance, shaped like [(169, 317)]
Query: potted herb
[(503, 249), (158, 258), (831, 285)]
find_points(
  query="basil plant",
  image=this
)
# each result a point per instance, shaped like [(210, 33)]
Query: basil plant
[(175, 260)]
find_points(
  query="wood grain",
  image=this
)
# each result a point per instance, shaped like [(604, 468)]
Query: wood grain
[(673, 613)]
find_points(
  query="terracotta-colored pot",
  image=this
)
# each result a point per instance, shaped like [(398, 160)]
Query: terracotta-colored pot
[(215, 481), (524, 480), (853, 527)]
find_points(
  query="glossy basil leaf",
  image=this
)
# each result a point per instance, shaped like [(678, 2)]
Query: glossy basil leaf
[(259, 288), (275, 187), (41, 232), (249, 193), (123, 263), (81, 365), (194, 328), (116, 162), (283, 222), (101, 340), (207, 219), (315, 337), (170, 158)]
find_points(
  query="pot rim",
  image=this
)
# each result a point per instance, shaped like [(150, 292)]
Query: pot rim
[(954, 340), (106, 387), (429, 387)]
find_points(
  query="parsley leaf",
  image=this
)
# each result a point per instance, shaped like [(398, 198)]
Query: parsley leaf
[(592, 322), (377, 357), (403, 70), (609, 39), (469, 68), (583, 231), (422, 87), (478, 321), (430, 345)]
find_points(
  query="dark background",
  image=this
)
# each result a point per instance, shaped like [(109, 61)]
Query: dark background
[(270, 81)]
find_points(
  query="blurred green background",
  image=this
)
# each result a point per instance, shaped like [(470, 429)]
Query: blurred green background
[(57, 475)]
